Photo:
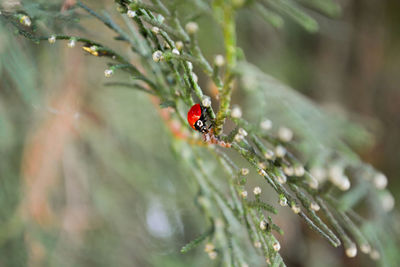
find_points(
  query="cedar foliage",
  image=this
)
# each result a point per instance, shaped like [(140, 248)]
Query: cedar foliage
[(290, 146)]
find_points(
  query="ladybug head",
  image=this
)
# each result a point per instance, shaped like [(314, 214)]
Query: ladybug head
[(200, 125)]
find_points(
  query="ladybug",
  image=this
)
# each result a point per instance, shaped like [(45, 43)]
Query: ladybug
[(197, 118)]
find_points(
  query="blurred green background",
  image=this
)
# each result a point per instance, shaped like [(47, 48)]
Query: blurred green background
[(89, 174)]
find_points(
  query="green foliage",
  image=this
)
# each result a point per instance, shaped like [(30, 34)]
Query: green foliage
[(158, 52)]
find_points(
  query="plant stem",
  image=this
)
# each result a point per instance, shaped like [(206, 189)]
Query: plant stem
[(229, 30)]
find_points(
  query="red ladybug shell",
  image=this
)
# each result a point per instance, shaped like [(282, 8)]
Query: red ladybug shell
[(194, 114)]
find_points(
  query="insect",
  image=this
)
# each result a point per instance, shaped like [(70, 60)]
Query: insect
[(197, 118), (95, 50)]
